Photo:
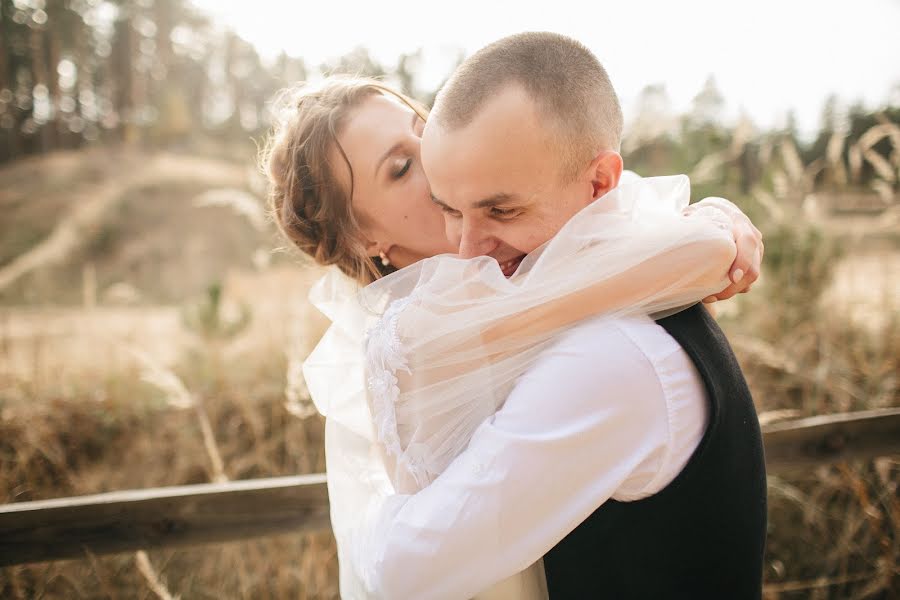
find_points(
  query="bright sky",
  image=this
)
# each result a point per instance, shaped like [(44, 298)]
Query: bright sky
[(767, 55)]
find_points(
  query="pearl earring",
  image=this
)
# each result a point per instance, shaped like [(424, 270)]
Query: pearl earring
[(385, 261)]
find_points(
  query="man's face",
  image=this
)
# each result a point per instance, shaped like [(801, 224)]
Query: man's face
[(498, 181)]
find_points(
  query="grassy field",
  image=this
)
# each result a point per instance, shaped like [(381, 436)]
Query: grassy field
[(151, 330)]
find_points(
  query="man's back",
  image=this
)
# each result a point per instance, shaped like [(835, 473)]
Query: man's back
[(596, 417), (703, 535)]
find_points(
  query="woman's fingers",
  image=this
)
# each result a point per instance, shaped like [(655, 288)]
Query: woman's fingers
[(745, 269), (746, 261)]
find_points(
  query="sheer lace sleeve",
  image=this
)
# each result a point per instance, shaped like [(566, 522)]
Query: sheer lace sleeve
[(454, 335)]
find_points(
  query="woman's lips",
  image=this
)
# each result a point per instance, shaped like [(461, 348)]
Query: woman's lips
[(509, 266)]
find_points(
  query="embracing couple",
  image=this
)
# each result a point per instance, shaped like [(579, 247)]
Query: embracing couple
[(524, 397)]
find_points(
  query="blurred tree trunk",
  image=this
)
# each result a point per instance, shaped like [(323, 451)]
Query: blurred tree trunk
[(164, 16), (7, 105), (124, 79), (82, 59), (44, 131), (56, 123), (232, 80), (16, 63), (5, 46), (165, 94)]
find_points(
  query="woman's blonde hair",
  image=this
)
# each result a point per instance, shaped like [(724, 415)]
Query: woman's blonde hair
[(307, 201)]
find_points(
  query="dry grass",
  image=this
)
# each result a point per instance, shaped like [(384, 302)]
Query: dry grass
[(102, 387), (821, 334), (205, 408)]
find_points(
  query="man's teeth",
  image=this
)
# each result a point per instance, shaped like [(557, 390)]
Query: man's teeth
[(506, 265)]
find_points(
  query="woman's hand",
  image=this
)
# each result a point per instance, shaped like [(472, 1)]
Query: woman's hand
[(748, 239)]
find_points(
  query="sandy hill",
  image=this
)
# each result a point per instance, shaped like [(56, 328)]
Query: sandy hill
[(127, 225)]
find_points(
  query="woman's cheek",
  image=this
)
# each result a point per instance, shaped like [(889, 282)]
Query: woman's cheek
[(421, 190)]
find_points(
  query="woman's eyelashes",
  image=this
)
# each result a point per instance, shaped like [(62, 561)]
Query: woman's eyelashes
[(401, 168)]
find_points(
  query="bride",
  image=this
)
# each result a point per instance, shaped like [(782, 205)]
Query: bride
[(419, 357)]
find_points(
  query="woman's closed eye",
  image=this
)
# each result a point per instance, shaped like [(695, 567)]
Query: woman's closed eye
[(401, 168)]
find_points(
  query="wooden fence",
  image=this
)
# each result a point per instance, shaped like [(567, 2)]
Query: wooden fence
[(195, 514)]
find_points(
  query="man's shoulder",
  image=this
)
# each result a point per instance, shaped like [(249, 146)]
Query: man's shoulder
[(603, 350), (618, 353), (635, 335)]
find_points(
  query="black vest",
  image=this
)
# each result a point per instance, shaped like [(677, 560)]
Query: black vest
[(703, 536)]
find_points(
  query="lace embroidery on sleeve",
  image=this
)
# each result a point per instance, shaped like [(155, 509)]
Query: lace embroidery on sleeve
[(384, 357)]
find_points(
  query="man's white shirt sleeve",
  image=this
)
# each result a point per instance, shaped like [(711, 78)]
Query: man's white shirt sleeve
[(613, 410)]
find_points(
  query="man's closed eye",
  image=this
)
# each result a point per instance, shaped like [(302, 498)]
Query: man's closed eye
[(504, 214)]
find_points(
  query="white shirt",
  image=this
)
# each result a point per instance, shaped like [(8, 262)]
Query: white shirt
[(614, 409)]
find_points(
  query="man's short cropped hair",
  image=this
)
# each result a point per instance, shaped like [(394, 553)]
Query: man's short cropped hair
[(566, 81)]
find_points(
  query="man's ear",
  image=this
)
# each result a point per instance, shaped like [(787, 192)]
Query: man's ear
[(605, 171)]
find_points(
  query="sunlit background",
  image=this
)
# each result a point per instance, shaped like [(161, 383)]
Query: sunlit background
[(152, 322), (767, 58)]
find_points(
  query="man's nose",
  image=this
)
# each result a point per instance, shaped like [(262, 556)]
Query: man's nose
[(475, 241)]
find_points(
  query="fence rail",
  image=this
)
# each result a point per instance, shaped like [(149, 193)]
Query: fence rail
[(195, 514)]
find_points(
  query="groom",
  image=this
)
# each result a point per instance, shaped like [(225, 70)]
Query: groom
[(630, 455)]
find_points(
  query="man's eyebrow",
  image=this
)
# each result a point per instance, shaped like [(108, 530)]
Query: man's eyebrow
[(496, 199), (499, 198), (395, 147)]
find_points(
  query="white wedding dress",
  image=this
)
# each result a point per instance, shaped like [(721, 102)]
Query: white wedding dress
[(414, 362)]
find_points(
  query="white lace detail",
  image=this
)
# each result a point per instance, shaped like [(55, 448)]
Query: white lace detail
[(384, 357)]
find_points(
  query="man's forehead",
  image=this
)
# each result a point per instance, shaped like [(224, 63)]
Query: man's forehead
[(460, 176), (485, 164)]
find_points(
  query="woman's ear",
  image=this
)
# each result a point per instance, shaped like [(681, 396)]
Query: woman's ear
[(605, 171), (372, 248)]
